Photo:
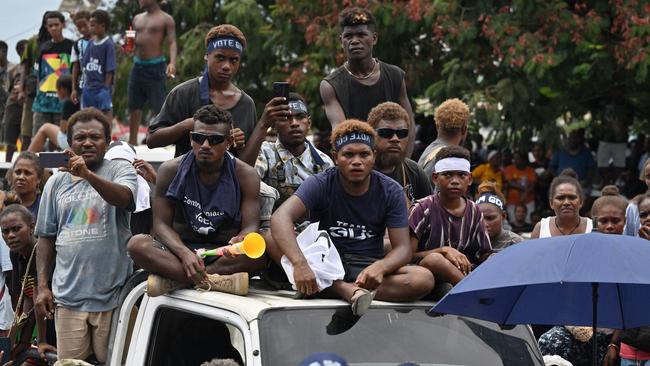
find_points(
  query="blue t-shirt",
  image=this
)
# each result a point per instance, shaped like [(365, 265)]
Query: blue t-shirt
[(356, 224), (98, 60), (582, 162)]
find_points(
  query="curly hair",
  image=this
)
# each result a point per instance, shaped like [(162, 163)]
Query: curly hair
[(87, 115), (211, 115), (225, 30), (354, 16), (388, 111), (451, 115), (349, 126), (452, 151), (490, 187)]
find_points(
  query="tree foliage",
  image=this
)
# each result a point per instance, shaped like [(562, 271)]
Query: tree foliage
[(522, 65)]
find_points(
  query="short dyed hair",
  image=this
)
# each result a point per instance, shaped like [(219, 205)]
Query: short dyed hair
[(87, 115), (452, 151), (388, 111), (350, 126), (102, 17), (452, 115), (210, 114), (81, 14), (22, 211), (354, 16), (225, 30)]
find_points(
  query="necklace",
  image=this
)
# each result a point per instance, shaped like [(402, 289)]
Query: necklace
[(363, 77), (570, 232)]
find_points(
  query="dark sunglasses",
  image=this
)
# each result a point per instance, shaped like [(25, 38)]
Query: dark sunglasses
[(200, 138), (388, 133)]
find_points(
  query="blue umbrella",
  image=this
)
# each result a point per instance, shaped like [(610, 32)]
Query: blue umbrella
[(595, 279)]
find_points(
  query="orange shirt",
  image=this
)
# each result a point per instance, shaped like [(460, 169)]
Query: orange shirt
[(484, 172), (522, 177)]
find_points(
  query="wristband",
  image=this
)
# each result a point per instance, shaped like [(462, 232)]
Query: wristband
[(612, 345)]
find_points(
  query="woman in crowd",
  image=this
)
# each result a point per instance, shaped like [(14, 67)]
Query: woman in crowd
[(565, 198), (574, 343), (493, 207), (633, 223), (17, 224), (26, 177), (640, 355)]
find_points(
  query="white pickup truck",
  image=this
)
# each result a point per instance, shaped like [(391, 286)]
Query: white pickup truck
[(271, 328)]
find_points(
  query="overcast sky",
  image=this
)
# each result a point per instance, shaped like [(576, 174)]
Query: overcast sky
[(20, 19)]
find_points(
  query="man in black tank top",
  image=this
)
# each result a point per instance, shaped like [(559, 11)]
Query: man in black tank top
[(363, 81)]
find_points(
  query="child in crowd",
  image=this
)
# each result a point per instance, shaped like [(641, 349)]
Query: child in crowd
[(493, 207), (448, 233), (57, 135), (82, 22), (519, 224), (98, 65)]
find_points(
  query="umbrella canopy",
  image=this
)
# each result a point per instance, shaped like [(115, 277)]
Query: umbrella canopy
[(552, 281)]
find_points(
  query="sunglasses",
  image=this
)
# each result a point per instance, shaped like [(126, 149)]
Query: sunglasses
[(388, 133), (200, 138)]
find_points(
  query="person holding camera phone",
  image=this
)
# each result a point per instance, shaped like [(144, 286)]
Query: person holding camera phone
[(225, 45), (83, 227), (363, 81)]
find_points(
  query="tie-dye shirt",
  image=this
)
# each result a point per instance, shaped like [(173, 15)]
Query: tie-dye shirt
[(91, 235), (435, 227)]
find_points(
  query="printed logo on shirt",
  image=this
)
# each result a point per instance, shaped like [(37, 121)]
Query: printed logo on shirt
[(93, 65), (54, 65), (202, 217), (350, 231), (84, 220)]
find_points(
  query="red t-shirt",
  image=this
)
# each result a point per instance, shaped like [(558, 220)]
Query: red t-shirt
[(523, 177)]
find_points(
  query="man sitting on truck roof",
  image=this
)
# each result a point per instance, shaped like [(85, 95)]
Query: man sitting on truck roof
[(354, 205), (205, 198)]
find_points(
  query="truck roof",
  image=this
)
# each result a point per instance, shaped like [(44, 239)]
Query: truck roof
[(258, 300)]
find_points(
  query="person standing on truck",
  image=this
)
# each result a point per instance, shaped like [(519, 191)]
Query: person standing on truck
[(205, 198), (83, 227), (355, 205)]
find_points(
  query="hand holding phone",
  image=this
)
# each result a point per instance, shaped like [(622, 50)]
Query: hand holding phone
[(54, 159)]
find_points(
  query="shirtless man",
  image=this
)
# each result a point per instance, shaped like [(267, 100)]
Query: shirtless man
[(147, 79), (205, 198)]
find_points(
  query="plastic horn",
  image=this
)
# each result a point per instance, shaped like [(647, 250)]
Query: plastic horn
[(253, 246)]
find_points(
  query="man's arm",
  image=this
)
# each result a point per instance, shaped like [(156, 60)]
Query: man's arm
[(165, 136), (75, 82), (108, 81), (250, 204), (333, 108), (170, 29), (372, 276), (406, 104), (114, 193), (285, 237), (275, 109), (45, 254)]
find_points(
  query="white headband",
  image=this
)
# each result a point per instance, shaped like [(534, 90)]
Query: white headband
[(452, 164)]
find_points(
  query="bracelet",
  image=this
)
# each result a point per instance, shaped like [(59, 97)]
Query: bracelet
[(612, 345)]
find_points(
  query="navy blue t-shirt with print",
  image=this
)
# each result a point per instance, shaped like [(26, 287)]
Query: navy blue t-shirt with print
[(98, 60), (356, 224)]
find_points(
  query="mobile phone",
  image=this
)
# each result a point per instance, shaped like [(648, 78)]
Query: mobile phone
[(281, 89), (54, 159)]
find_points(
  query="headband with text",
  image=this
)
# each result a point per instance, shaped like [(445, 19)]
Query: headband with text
[(354, 137), (491, 198), (225, 42)]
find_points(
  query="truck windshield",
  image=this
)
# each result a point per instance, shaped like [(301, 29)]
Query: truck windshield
[(391, 336)]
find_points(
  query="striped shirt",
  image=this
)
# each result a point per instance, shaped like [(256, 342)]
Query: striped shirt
[(435, 227)]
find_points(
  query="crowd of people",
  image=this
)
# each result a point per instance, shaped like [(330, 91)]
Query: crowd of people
[(404, 230)]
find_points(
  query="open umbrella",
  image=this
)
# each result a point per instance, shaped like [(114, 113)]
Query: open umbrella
[(595, 279)]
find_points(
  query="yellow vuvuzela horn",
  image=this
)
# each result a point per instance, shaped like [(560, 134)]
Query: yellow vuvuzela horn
[(253, 246)]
